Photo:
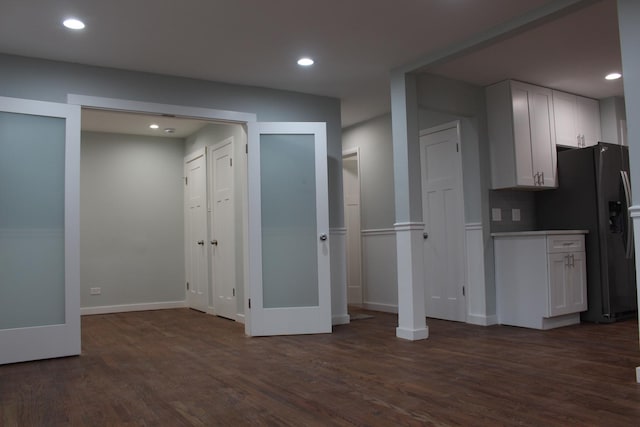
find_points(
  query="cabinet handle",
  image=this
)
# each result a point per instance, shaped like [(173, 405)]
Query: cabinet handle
[(573, 261)]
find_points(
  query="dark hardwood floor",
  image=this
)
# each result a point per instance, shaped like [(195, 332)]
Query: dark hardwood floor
[(183, 368)]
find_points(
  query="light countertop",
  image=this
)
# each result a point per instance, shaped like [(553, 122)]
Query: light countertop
[(538, 233)]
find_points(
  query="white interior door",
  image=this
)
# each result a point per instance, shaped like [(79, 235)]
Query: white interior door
[(288, 230), (351, 191), (443, 213), (39, 230), (196, 231), (222, 241)]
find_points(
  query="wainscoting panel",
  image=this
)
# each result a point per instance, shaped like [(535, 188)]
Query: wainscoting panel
[(338, 247), (476, 289), (379, 270)]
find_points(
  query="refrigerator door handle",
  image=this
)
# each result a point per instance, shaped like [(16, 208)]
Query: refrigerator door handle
[(627, 194)]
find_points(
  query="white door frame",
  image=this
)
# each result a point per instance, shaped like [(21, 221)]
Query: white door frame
[(355, 152), (43, 342), (213, 115), (457, 125)]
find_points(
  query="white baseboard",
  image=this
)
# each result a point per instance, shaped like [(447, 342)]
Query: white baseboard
[(477, 319), (412, 334), (387, 308), (638, 374), (240, 317), (341, 319), (106, 309)]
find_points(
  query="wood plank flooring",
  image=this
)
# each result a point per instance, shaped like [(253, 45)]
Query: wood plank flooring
[(184, 368)]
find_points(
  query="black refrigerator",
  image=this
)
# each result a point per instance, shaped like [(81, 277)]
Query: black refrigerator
[(594, 194)]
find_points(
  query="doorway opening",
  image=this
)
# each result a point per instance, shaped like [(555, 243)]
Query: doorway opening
[(352, 216), (148, 220)]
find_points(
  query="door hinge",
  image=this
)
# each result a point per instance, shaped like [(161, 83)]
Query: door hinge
[(457, 148), (187, 285), (234, 292), (246, 148), (463, 291), (249, 302), (230, 161), (186, 180)]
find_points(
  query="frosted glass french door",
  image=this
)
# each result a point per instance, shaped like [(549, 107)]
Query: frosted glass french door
[(39, 230), (288, 230)]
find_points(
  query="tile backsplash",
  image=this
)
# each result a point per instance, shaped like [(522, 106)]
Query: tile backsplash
[(512, 210)]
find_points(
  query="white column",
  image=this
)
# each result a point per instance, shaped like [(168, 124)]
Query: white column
[(628, 18), (408, 205)]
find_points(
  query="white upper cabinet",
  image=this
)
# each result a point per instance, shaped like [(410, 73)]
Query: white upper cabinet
[(522, 136), (577, 120)]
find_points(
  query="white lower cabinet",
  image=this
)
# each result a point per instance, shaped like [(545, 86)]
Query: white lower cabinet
[(540, 278)]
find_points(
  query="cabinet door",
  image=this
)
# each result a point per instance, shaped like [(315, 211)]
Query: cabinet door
[(558, 284), (577, 283), (543, 137), (522, 135), (564, 113), (588, 120)]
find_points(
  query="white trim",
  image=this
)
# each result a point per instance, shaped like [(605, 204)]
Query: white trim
[(376, 306), (340, 319), (480, 320), (473, 226), (634, 211), (408, 226), (240, 317), (338, 231), (123, 308), (351, 152), (638, 374), (149, 107), (195, 155), (378, 232), (412, 334), (440, 128)]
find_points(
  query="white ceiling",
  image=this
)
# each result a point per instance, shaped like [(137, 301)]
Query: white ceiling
[(355, 43), (138, 124)]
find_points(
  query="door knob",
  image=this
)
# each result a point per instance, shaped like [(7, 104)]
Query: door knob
[(201, 242), (425, 236), (323, 237), (214, 242)]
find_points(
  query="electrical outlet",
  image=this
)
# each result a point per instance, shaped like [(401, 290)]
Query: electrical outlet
[(515, 214), (496, 214), (95, 291)]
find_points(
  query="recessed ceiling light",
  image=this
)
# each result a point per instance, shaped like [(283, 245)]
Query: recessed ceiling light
[(305, 62), (613, 76), (73, 24), (154, 126)]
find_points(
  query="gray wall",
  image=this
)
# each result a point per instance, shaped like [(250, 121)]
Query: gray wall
[(131, 219), (31, 78), (612, 110), (373, 138), (212, 134)]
